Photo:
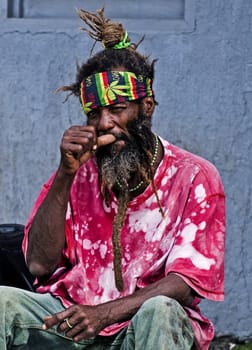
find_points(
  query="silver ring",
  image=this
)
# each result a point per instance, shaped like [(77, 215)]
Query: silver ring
[(68, 323)]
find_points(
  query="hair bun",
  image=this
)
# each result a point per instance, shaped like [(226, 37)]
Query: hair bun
[(106, 31)]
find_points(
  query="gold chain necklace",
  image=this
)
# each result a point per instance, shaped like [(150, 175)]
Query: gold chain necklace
[(154, 158)]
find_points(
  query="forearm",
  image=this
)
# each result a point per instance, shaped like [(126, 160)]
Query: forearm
[(125, 308), (47, 232)]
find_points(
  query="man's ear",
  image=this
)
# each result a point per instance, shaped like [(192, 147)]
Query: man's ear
[(148, 106)]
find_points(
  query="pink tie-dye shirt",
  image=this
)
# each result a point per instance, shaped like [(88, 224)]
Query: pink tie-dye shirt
[(188, 240)]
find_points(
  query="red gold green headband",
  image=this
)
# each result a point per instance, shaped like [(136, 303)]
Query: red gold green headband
[(108, 88)]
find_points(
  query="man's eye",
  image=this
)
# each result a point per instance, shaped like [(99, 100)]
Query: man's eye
[(92, 115), (117, 108)]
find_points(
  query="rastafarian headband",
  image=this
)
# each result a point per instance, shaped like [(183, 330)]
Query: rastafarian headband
[(108, 88)]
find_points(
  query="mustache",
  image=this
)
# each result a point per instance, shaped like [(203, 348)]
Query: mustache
[(138, 138), (122, 137)]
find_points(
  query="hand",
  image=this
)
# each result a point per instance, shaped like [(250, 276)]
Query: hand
[(86, 321), (77, 146)]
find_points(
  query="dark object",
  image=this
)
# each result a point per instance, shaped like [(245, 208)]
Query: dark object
[(227, 342), (13, 269)]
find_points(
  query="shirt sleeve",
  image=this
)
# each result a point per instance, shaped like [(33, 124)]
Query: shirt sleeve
[(198, 251)]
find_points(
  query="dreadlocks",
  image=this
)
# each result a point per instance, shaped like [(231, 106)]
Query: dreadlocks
[(110, 34), (102, 29)]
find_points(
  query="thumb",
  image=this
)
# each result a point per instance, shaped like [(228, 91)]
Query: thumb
[(105, 140)]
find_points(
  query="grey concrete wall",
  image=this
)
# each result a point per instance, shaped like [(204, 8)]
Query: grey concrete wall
[(204, 88)]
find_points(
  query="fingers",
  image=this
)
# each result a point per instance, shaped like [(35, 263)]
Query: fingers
[(78, 140), (63, 320), (74, 324), (78, 144), (78, 330), (50, 321)]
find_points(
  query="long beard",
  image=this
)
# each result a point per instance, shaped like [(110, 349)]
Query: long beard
[(118, 167), (135, 158)]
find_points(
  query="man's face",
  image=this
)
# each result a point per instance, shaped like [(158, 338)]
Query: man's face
[(113, 119), (122, 159)]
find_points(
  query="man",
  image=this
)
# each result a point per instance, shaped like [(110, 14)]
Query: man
[(128, 234)]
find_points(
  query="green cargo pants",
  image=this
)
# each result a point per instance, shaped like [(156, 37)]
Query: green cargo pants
[(160, 324)]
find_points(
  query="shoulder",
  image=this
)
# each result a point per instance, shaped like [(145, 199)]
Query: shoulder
[(190, 164)]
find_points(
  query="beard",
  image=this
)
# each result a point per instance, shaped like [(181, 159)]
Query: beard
[(118, 167)]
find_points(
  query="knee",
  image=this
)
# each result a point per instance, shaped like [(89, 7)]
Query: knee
[(160, 304), (162, 310), (9, 296), (5, 293), (165, 315)]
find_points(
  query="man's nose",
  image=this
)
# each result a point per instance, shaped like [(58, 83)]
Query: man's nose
[(105, 120)]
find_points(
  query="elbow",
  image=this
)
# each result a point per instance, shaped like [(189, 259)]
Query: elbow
[(40, 264), (39, 270)]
